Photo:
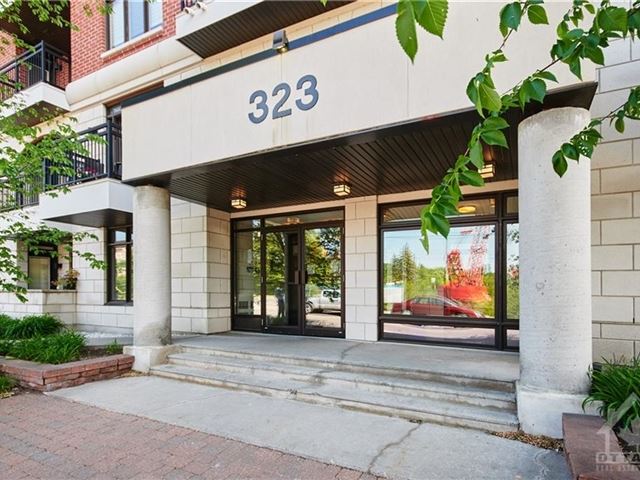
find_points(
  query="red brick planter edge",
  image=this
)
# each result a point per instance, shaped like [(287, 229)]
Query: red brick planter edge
[(45, 377)]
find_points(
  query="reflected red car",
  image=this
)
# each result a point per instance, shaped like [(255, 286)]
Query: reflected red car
[(434, 306)]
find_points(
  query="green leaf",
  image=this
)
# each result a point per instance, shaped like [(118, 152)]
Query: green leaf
[(441, 223), (489, 97), (537, 89), (495, 123), (537, 15), (559, 163), (476, 155), (406, 28), (546, 75), (510, 17), (471, 177), (613, 19), (619, 124), (494, 137), (474, 95), (576, 68), (570, 151), (432, 16), (595, 54)]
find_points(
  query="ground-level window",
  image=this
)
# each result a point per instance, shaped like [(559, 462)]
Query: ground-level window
[(119, 265), (129, 19), (42, 267), (465, 289)]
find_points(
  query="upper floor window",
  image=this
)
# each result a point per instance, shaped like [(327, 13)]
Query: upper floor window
[(131, 18)]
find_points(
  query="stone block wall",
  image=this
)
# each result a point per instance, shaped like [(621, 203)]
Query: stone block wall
[(615, 204), (201, 259), (361, 268)]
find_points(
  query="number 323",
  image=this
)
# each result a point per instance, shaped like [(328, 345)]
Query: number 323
[(310, 95)]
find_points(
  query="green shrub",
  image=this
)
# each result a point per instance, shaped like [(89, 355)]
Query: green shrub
[(113, 348), (30, 327), (6, 384), (612, 384), (60, 348)]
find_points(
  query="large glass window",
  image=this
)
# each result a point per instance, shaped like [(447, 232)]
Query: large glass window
[(120, 265), (455, 279), (129, 19), (465, 289)]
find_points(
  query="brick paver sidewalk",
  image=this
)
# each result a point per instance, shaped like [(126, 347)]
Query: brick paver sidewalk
[(51, 438)]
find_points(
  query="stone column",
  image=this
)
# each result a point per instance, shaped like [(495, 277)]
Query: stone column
[(151, 277), (555, 273)]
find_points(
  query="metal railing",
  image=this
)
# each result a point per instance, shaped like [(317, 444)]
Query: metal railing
[(44, 63), (27, 197), (102, 158)]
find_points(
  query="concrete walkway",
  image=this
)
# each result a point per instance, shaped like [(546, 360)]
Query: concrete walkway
[(380, 445), (474, 363)]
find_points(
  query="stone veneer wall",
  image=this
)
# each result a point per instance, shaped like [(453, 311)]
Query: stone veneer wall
[(201, 287), (361, 268), (615, 204)]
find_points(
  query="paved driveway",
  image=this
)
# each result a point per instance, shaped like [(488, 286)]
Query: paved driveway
[(50, 438)]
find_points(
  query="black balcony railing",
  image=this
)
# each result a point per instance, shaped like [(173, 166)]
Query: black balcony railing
[(187, 4), (28, 196), (44, 63), (102, 158)]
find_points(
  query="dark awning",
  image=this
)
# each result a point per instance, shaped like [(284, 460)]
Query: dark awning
[(253, 22), (390, 159)]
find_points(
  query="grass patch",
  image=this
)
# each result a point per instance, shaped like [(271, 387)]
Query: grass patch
[(60, 348), (29, 327), (6, 384), (114, 348)]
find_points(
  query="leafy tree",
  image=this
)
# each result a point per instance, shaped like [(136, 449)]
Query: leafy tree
[(583, 34), (23, 148)]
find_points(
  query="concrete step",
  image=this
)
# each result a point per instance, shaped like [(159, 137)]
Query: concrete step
[(346, 396), (420, 373), (369, 382)]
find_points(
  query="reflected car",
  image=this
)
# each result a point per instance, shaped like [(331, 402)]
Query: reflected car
[(328, 301), (434, 306)]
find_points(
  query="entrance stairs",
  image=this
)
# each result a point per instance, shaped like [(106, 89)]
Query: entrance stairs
[(415, 394)]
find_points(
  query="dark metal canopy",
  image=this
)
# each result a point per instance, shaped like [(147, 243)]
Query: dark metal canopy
[(391, 159), (260, 19), (107, 217)]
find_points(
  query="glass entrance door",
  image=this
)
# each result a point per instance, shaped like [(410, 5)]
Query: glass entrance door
[(323, 280), (283, 281), (288, 274)]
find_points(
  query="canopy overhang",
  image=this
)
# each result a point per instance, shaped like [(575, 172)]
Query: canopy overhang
[(397, 158)]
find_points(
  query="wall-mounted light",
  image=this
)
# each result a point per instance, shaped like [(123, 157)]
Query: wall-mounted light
[(342, 189), (488, 171), (280, 41), (239, 203)]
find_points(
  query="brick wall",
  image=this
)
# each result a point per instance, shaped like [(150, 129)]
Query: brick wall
[(7, 48), (89, 41), (615, 207)]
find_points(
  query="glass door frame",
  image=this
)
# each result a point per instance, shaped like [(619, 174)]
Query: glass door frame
[(257, 323)]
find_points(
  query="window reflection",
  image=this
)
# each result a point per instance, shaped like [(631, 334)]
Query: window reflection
[(247, 270), (512, 279), (455, 279), (440, 333)]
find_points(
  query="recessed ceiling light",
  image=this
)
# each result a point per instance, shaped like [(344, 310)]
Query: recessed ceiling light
[(467, 209)]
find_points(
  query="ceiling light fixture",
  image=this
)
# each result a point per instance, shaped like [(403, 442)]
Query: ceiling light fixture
[(466, 209), (238, 203), (488, 171), (280, 41), (342, 189)]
